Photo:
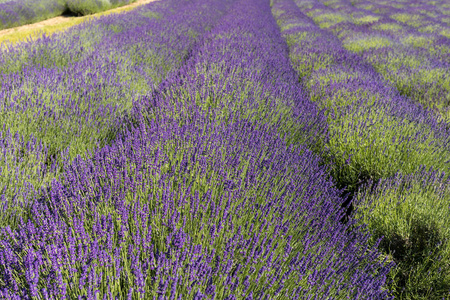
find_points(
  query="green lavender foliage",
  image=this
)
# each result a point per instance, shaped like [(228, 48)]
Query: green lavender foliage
[(411, 213)]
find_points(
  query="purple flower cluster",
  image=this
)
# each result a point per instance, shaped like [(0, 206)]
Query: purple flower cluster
[(209, 191)]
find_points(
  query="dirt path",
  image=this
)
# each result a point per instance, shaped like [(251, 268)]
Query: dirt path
[(49, 26)]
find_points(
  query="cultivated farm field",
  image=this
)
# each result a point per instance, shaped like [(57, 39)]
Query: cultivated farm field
[(228, 149)]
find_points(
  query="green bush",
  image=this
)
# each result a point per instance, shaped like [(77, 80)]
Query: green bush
[(88, 7)]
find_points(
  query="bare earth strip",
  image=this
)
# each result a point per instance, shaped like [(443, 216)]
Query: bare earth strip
[(17, 34)]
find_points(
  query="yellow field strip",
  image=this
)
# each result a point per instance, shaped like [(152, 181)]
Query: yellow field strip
[(50, 26)]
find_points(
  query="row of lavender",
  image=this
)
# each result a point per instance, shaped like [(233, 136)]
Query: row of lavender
[(20, 12), (416, 63), (209, 191), (381, 139)]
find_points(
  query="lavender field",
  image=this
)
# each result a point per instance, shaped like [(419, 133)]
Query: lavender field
[(229, 149)]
